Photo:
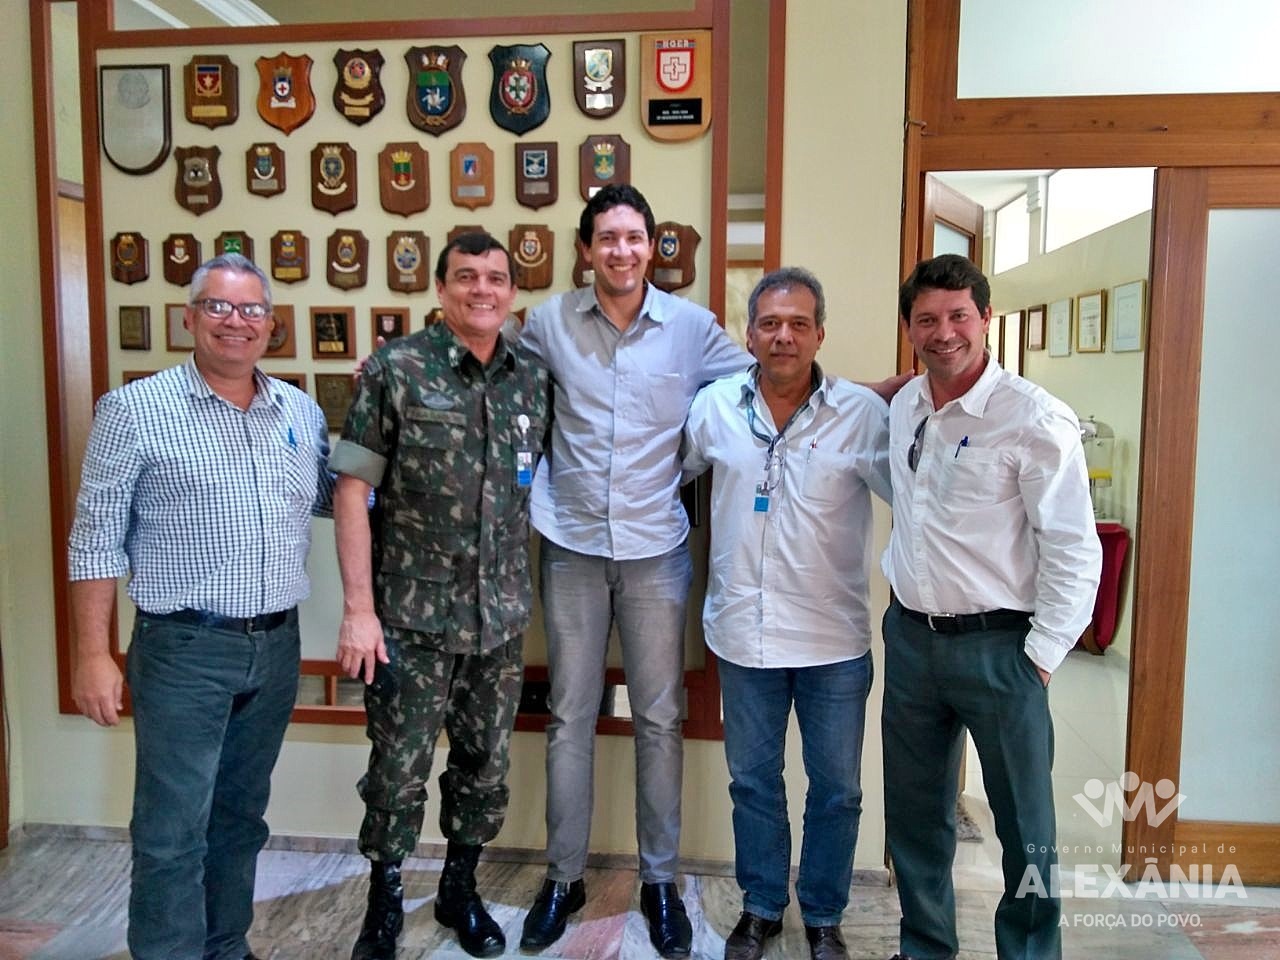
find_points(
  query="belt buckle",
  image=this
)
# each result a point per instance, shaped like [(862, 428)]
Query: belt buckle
[(947, 622)]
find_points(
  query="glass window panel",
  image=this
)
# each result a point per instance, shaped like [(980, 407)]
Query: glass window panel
[(1081, 202), (947, 239), (1231, 714), (1016, 48), (1012, 235)]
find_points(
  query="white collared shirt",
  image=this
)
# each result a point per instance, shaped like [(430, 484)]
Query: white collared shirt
[(788, 585), (997, 512)]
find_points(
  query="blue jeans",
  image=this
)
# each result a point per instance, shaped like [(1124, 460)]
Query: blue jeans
[(581, 598), (210, 710), (831, 707)]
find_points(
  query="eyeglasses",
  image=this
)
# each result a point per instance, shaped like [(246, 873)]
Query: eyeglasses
[(221, 309), (775, 463), (917, 446)]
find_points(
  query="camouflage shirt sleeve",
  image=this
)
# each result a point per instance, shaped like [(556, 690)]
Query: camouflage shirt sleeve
[(369, 432)]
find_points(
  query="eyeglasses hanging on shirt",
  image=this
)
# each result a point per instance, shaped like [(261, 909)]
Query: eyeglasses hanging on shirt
[(775, 456), (916, 449)]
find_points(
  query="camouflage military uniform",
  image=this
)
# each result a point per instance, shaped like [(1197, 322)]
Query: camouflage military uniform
[(450, 446)]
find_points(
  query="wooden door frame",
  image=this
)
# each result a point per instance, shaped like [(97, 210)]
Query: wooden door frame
[(944, 132)]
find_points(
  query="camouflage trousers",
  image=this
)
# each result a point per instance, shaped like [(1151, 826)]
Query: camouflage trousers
[(475, 698)]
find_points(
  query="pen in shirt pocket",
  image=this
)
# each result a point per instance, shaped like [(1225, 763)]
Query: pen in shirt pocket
[(964, 442), (293, 441)]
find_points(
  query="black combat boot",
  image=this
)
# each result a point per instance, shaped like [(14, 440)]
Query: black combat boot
[(459, 907), (384, 918)]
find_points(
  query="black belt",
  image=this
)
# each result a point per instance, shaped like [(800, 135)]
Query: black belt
[(214, 621), (969, 622)]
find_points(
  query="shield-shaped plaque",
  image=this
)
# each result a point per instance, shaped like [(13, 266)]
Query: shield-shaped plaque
[(408, 259), (129, 257), (285, 99), (197, 188), (347, 255), (519, 99), (537, 174), (583, 275), (233, 241), (333, 177), (675, 245), (471, 175), (181, 257), (264, 169), (290, 260), (436, 100), (134, 104), (211, 90), (599, 76), (403, 184), (675, 84), (601, 161), (532, 247), (358, 93)]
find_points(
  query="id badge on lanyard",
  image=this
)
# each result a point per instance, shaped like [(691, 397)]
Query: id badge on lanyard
[(524, 453)]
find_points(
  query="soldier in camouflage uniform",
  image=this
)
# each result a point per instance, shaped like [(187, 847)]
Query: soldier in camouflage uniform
[(446, 424)]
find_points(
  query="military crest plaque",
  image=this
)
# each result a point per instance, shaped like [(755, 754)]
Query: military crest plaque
[(358, 92), (197, 188), (333, 177), (129, 258), (264, 169), (211, 90), (348, 259), (532, 246), (408, 256), (583, 275), (281, 341), (134, 107), (181, 257), (537, 174), (603, 160), (599, 76), (675, 84), (519, 99), (471, 175), (673, 251), (290, 260), (285, 99), (233, 241), (404, 186), (436, 100)]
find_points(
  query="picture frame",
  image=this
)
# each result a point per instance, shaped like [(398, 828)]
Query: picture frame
[(1128, 310), (333, 333), (128, 376), (282, 341), (177, 337), (334, 393), (1011, 341), (1059, 333), (388, 323), (1034, 337), (1091, 321), (298, 380), (135, 327)]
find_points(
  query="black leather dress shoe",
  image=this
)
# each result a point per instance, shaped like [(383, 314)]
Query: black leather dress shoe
[(669, 929), (825, 943), (546, 920), (747, 941)]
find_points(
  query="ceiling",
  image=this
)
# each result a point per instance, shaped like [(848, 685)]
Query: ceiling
[(990, 189)]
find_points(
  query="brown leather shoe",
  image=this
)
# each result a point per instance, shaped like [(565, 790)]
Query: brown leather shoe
[(825, 943), (747, 941)]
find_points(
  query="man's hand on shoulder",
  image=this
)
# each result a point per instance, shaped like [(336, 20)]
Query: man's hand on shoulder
[(98, 688), (361, 645), (887, 387)]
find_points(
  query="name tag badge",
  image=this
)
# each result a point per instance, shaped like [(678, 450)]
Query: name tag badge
[(524, 467), (762, 498)]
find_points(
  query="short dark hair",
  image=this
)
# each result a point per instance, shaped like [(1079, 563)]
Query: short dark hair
[(474, 244), (606, 198), (787, 277), (950, 271), (232, 263)]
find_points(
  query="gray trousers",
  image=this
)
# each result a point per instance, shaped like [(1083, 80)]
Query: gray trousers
[(582, 596)]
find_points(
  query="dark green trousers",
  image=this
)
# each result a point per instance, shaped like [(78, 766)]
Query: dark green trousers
[(936, 685)]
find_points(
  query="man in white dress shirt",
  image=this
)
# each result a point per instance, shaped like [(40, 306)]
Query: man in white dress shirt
[(994, 562), (796, 455)]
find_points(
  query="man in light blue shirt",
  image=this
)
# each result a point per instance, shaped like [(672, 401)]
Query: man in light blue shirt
[(797, 456), (626, 360)]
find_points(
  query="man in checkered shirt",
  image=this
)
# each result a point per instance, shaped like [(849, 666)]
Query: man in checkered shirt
[(200, 481)]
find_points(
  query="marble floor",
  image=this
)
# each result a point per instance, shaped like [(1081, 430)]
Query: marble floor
[(63, 896)]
